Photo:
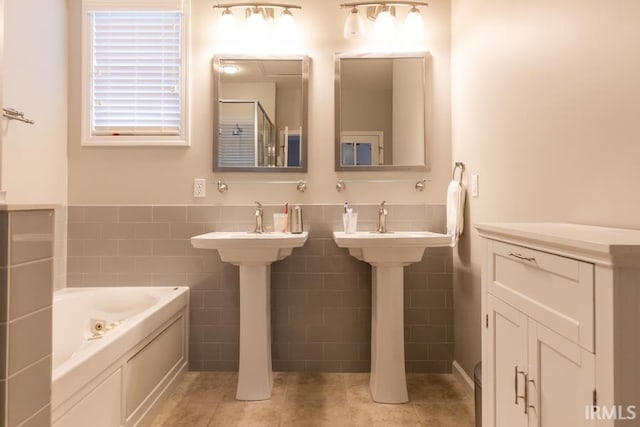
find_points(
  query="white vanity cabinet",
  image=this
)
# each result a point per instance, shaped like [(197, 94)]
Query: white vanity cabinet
[(561, 335)]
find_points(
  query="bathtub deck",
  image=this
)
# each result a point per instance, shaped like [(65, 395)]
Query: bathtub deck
[(206, 399)]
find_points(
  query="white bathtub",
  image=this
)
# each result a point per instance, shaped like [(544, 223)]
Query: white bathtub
[(116, 374)]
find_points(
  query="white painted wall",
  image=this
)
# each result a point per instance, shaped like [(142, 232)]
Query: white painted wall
[(545, 104), (34, 81), (408, 112), (164, 175), (265, 93)]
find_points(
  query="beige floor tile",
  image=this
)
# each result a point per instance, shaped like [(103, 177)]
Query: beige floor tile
[(449, 414), (213, 387), (314, 413), (321, 388), (377, 414), (435, 388), (358, 390), (315, 399), (265, 413), (190, 415)]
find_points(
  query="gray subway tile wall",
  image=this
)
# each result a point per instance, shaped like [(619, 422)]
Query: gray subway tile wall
[(320, 295), (26, 285)]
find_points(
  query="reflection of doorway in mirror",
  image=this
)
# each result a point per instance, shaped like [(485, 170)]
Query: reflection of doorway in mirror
[(290, 147), (361, 148)]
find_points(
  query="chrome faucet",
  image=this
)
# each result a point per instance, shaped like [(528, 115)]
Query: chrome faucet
[(259, 218), (382, 217)]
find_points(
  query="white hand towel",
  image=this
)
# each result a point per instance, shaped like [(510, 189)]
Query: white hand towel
[(455, 211)]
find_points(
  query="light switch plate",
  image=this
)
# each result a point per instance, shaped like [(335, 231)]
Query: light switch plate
[(475, 185)]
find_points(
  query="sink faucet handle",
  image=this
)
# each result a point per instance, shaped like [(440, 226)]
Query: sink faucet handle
[(382, 218), (259, 224)]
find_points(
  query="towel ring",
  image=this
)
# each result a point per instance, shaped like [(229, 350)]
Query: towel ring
[(458, 165)]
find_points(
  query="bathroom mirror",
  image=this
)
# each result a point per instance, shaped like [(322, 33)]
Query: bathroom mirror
[(260, 113), (382, 111)]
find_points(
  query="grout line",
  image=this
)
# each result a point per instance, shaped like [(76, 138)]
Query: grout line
[(25, 421)]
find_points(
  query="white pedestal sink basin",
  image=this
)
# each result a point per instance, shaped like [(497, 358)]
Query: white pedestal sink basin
[(253, 253), (388, 254)]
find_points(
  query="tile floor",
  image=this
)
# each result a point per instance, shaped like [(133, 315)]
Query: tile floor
[(206, 399)]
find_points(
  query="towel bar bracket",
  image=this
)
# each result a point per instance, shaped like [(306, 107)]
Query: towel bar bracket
[(458, 166), (12, 114)]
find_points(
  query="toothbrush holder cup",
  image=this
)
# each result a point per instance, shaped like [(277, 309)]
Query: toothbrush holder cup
[(350, 222)]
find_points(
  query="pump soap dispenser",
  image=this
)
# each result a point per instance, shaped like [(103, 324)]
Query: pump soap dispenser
[(296, 221)]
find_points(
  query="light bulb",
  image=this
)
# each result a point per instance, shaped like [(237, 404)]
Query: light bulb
[(230, 69), (385, 24), (413, 25), (227, 25), (287, 29), (257, 27), (353, 25)]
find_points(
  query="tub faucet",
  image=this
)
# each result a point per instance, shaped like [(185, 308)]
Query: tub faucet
[(259, 218), (382, 217)]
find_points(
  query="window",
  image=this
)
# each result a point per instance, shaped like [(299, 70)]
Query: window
[(134, 59)]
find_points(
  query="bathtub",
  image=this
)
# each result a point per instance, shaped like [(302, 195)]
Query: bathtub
[(117, 352)]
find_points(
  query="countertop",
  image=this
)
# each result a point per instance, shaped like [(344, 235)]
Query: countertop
[(592, 243)]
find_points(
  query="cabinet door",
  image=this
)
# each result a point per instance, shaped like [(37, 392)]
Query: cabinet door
[(503, 404), (561, 379)]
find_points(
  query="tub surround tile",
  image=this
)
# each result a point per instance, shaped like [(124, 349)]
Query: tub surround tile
[(41, 419), (4, 294), (3, 352), (31, 236), (30, 287), (30, 340), (28, 392), (4, 239), (26, 286), (3, 402)]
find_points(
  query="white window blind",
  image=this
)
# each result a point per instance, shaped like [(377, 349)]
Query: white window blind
[(136, 85)]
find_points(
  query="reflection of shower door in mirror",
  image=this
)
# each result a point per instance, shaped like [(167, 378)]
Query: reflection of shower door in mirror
[(246, 135), (365, 148), (290, 147)]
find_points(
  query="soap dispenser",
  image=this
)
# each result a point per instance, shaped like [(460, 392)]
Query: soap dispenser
[(296, 221)]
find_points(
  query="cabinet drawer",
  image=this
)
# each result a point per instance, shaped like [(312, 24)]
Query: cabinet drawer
[(554, 290)]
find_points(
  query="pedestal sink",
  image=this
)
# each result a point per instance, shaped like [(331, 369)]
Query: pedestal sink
[(253, 253), (388, 254)]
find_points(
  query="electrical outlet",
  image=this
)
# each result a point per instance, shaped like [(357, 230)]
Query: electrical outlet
[(199, 187)]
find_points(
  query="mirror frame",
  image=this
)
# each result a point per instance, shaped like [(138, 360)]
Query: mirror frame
[(426, 57), (305, 64)]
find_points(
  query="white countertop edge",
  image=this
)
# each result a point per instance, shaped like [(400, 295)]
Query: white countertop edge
[(598, 244)]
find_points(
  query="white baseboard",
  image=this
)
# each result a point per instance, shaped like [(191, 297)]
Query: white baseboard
[(462, 375)]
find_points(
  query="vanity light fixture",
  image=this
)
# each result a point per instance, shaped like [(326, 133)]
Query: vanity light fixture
[(383, 13), (257, 15)]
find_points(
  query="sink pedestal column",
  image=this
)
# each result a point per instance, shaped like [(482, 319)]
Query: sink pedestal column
[(255, 377), (388, 380)]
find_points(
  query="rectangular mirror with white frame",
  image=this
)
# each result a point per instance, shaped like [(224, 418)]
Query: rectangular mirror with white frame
[(382, 111), (260, 113)]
